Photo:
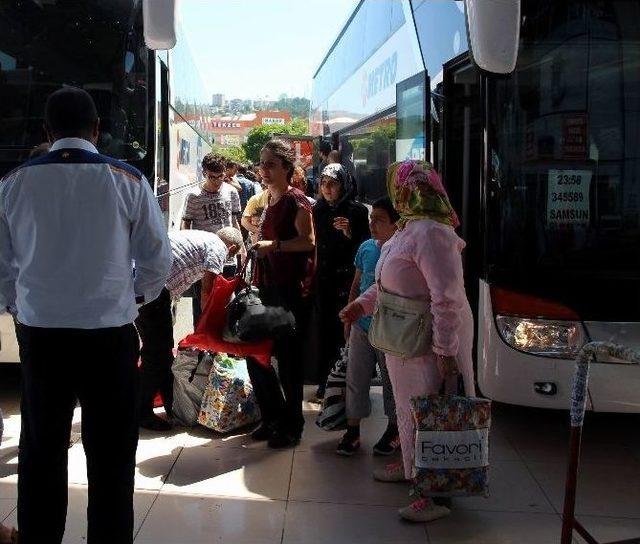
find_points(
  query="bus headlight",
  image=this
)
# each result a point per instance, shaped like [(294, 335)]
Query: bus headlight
[(559, 339)]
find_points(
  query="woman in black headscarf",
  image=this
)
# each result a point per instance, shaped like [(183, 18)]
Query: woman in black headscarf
[(341, 225)]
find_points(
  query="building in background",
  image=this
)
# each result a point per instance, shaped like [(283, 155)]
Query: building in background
[(232, 130), (218, 101)]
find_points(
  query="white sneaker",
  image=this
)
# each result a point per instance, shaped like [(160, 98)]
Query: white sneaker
[(423, 510), (393, 472)]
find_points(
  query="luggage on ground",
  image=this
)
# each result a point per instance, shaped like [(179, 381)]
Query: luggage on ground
[(228, 402), (190, 375)]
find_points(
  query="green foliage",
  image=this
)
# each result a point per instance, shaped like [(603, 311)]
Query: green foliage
[(379, 140), (297, 107), (234, 152), (258, 136)]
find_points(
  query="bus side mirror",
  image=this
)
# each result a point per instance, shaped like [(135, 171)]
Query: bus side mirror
[(494, 33), (159, 17)]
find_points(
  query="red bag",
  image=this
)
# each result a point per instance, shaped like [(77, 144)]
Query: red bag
[(208, 333)]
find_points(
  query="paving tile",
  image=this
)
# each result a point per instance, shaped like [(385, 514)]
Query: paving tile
[(500, 448), (231, 472), (154, 460), (321, 523), (204, 520), (6, 507), (76, 528), (475, 527), (609, 529), (512, 489), (317, 439), (325, 477), (603, 490)]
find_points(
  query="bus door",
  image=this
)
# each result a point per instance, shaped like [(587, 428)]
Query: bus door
[(162, 165), (457, 152)]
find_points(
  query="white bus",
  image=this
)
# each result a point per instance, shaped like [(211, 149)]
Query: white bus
[(541, 161), (149, 102)]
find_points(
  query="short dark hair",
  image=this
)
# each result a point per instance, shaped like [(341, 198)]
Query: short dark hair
[(70, 112), (385, 204), (325, 147), (213, 162), (283, 151), (40, 150), (231, 164)]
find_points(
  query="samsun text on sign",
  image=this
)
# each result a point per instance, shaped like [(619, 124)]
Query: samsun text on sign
[(568, 197)]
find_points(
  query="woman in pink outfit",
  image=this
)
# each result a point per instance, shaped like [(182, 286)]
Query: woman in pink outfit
[(422, 261)]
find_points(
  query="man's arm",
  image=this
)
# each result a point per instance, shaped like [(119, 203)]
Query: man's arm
[(207, 287), (150, 247), (8, 270), (186, 222), (355, 286)]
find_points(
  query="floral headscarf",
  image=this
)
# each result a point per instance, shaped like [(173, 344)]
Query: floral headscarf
[(416, 190)]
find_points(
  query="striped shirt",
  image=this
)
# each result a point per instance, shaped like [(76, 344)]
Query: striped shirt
[(194, 253), (212, 211)]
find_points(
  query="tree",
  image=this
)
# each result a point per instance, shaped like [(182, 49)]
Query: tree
[(258, 136), (297, 107), (234, 152)]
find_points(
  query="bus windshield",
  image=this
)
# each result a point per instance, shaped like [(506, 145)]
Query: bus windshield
[(93, 44), (563, 194)]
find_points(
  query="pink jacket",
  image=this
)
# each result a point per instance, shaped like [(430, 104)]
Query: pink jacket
[(423, 261)]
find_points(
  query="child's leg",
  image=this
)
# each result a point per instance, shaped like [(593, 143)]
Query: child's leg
[(362, 361), (387, 390)]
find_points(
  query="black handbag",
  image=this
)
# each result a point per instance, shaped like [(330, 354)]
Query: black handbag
[(249, 319)]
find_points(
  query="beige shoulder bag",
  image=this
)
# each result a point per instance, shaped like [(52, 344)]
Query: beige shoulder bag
[(400, 326)]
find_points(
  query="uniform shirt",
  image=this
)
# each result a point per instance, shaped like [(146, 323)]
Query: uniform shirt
[(194, 252), (211, 211), (365, 261), (71, 222)]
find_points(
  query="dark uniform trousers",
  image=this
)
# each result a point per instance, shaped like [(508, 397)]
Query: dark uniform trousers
[(155, 327), (98, 368)]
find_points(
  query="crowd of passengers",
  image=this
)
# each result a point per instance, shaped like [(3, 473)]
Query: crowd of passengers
[(324, 257)]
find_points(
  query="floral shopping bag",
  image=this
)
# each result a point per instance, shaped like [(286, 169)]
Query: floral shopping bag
[(228, 402), (452, 445)]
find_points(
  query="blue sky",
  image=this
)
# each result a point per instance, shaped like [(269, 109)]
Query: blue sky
[(261, 48)]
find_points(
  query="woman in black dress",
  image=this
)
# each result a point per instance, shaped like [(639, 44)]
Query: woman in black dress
[(341, 225)]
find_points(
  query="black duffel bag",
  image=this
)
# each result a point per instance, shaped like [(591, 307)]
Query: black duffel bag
[(249, 319)]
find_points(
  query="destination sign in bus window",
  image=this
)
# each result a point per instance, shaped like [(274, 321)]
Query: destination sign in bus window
[(568, 197)]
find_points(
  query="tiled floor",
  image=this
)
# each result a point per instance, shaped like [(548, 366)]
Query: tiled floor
[(193, 486)]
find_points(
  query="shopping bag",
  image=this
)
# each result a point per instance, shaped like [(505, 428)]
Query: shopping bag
[(333, 415), (209, 331), (190, 375), (228, 402), (452, 445)]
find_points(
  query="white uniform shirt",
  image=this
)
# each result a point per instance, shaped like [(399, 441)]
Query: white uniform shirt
[(71, 223)]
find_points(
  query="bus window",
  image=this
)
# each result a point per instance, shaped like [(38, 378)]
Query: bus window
[(41, 53), (563, 201)]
